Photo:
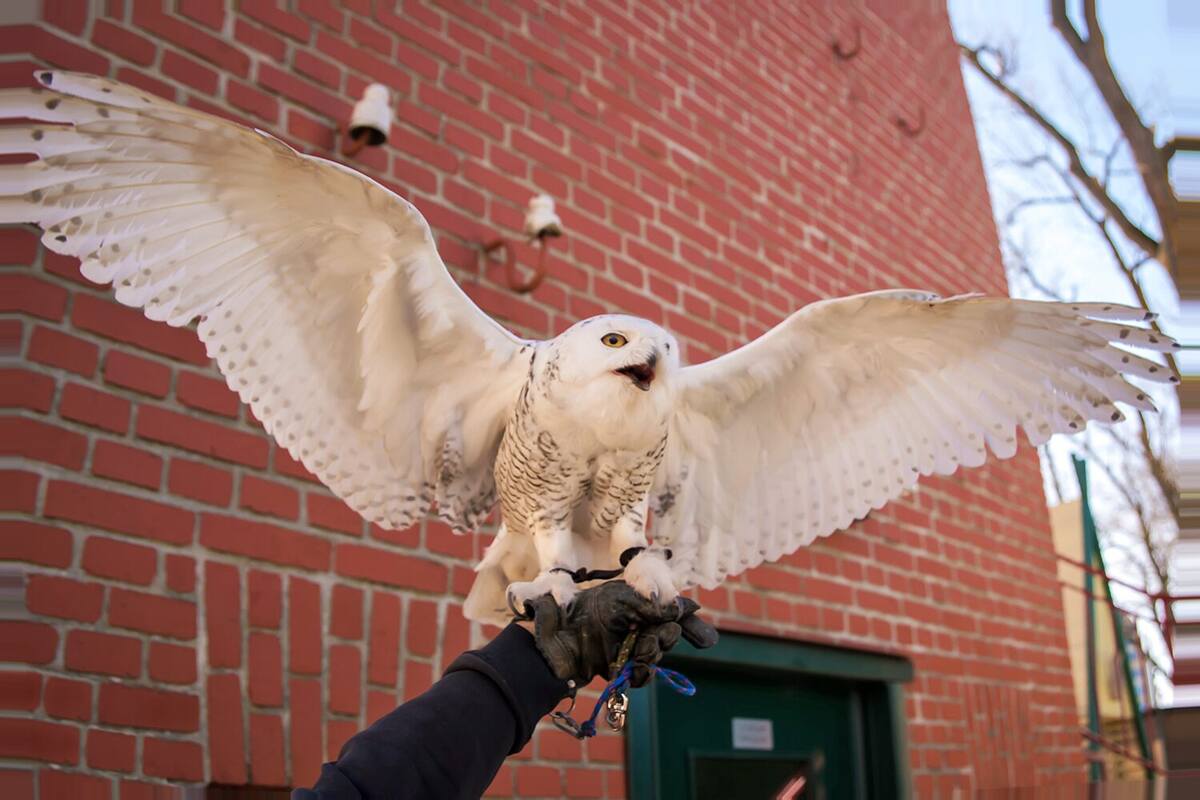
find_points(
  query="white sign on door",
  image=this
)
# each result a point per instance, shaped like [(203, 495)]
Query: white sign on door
[(753, 734)]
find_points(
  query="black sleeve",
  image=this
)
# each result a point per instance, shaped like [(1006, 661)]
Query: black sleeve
[(450, 741)]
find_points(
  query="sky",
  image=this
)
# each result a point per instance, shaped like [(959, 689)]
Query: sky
[(1152, 45)]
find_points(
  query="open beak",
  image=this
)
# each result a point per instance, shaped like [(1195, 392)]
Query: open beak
[(642, 374)]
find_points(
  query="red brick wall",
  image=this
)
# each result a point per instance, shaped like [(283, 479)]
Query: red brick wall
[(196, 609)]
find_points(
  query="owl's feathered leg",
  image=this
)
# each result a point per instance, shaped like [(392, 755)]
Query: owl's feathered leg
[(555, 543)]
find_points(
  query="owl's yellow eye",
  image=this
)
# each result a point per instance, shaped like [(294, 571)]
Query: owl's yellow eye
[(614, 340)]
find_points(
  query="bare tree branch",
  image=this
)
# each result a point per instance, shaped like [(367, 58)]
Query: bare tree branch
[(1151, 161), (1094, 188)]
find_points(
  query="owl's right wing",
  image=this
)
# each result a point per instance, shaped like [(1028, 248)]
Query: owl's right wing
[(841, 407), (320, 293)]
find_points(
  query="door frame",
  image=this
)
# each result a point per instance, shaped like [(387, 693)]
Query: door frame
[(890, 774)]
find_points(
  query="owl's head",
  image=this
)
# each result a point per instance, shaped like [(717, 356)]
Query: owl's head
[(624, 352)]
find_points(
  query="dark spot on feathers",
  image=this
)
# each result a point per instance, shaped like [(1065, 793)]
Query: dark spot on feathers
[(53, 104), (1124, 333), (46, 78), (102, 112), (1154, 369), (1153, 340), (1073, 425), (36, 195), (37, 136), (1174, 379), (60, 238), (106, 90), (1125, 359), (1116, 415), (1108, 308), (1141, 397)]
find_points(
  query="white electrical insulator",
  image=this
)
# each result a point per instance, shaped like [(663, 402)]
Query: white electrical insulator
[(540, 219), (372, 116)]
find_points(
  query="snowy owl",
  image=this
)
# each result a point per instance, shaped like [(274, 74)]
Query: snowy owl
[(321, 295)]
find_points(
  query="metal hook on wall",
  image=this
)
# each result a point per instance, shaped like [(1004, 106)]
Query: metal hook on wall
[(541, 225), (510, 263), (910, 127), (842, 51)]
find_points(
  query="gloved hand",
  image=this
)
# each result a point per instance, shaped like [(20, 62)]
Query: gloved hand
[(585, 640)]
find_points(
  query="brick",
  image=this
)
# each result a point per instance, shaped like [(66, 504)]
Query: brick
[(12, 333), (392, 569), (203, 482), (118, 512), (65, 598), (538, 781), (103, 653), (266, 670), (172, 759), (346, 612), (421, 632), (260, 39), (304, 626), (39, 441), (265, 603), (127, 464), (151, 613), (121, 561), (345, 686), (201, 436), (206, 394), (20, 691), (383, 650), (264, 542), (268, 13), (136, 373), (25, 294), (181, 573), (304, 93), (439, 538), (333, 514), (78, 786), (124, 324), (585, 783), (172, 663), (418, 677), (267, 750), (307, 750), (17, 784), (34, 543), (36, 740), (226, 742), (269, 497), (337, 733), (18, 490), (148, 14), (360, 60), (123, 42), (22, 388), (251, 100), (223, 614), (18, 246), (107, 750), (140, 707), (68, 699), (318, 69), (378, 704)]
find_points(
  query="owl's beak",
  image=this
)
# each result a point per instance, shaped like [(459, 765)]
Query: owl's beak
[(642, 375)]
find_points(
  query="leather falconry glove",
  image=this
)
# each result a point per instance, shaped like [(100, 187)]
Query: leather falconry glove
[(585, 640)]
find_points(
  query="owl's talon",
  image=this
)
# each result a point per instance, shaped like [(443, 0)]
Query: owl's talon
[(650, 576), (556, 584)]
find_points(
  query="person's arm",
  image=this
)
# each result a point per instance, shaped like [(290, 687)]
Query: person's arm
[(450, 741)]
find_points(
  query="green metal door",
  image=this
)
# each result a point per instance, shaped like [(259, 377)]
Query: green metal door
[(767, 713)]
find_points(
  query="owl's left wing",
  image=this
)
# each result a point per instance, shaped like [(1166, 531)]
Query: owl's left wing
[(841, 407), (319, 292)]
